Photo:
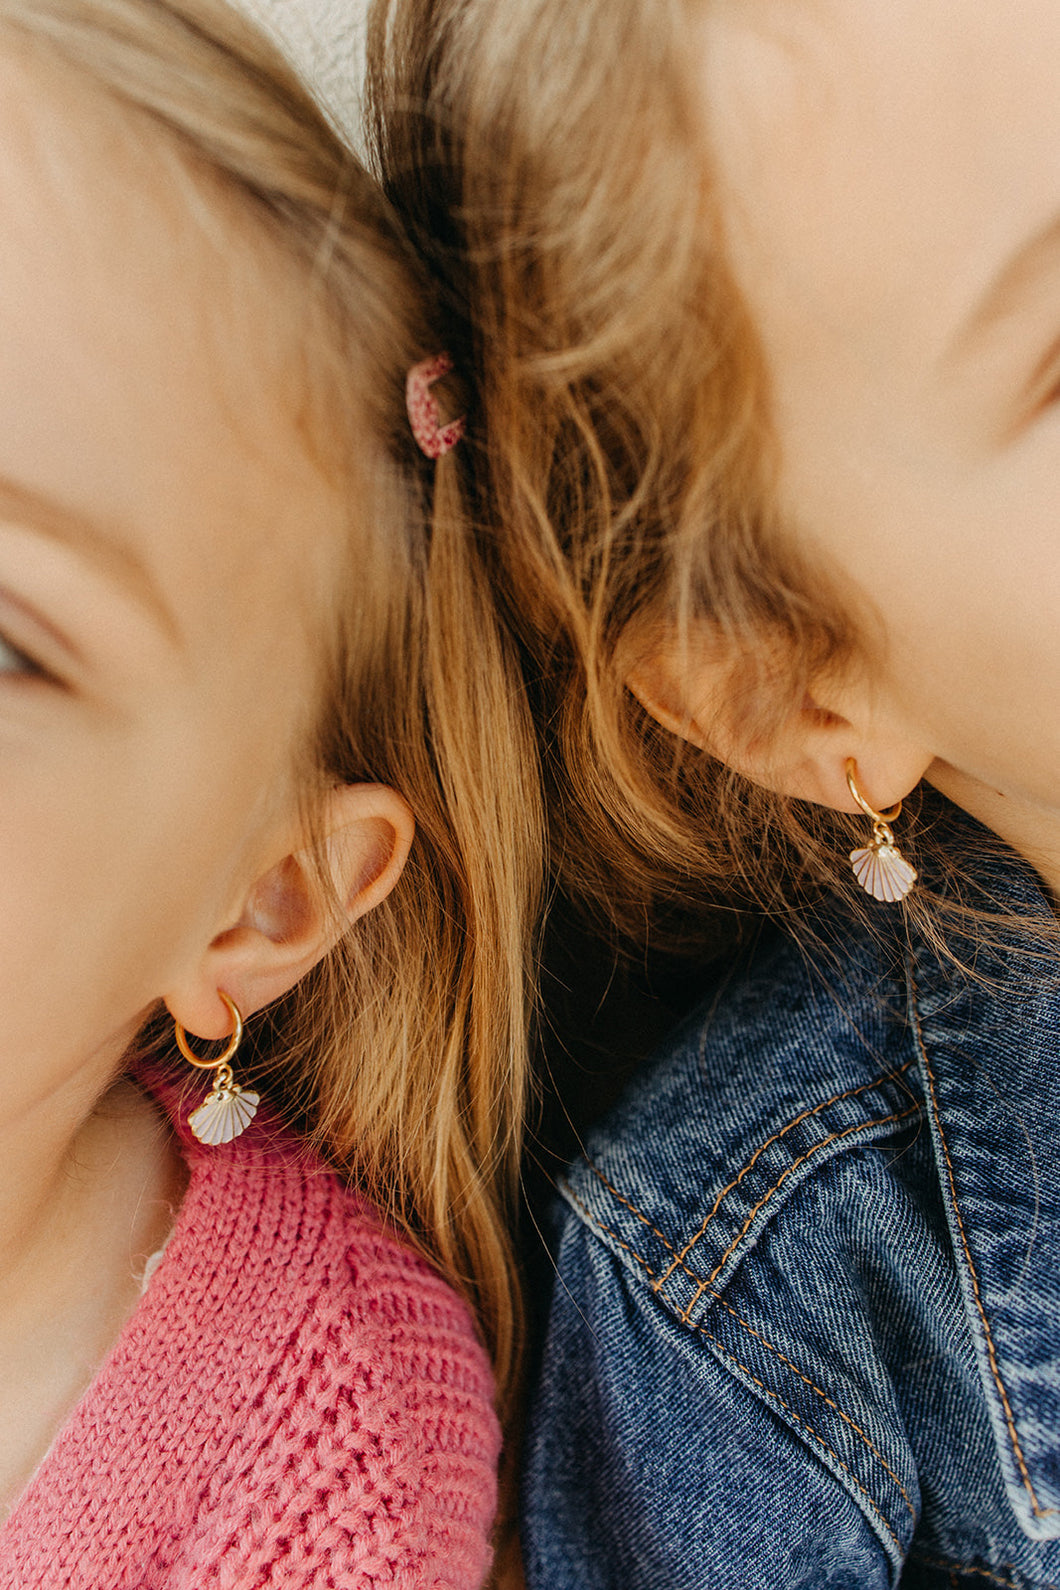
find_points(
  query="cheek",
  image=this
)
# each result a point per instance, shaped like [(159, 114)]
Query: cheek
[(121, 848), (951, 566)]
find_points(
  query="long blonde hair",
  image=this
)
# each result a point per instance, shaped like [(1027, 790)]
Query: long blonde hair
[(549, 164), (405, 1053)]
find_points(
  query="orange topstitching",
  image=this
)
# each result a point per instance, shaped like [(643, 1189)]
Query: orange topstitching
[(1039, 1511), (836, 1098), (782, 1357)]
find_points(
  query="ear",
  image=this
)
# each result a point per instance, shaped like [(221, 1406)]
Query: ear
[(291, 916), (689, 685)]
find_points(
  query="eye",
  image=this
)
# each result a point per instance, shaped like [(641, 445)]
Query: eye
[(13, 661), (1046, 387)]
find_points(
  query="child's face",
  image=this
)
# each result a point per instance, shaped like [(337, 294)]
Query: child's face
[(164, 540), (890, 177)]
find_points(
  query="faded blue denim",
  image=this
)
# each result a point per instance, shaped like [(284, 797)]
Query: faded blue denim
[(806, 1327)]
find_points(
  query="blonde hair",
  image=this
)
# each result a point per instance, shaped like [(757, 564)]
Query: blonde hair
[(549, 164), (405, 1053)]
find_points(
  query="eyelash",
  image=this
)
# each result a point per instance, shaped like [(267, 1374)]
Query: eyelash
[(24, 665), (1049, 381)]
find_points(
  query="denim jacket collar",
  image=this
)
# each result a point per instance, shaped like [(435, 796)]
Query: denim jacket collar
[(869, 1035), (987, 1047)]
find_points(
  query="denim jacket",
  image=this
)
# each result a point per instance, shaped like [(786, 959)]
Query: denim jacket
[(806, 1323)]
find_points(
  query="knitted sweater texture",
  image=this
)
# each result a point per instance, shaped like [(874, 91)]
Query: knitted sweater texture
[(298, 1400)]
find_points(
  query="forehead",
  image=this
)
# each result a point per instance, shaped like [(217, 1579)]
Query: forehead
[(150, 354), (877, 161)]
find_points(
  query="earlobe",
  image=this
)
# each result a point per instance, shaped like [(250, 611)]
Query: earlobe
[(295, 911)]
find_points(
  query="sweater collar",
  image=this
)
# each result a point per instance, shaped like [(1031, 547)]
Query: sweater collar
[(147, 1446)]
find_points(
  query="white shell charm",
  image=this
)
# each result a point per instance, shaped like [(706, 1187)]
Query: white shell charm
[(226, 1111), (883, 871), (880, 867)]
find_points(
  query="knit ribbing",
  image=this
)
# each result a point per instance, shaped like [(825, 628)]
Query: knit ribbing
[(298, 1400)]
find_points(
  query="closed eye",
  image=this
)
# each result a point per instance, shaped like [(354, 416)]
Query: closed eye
[(14, 662), (1044, 386)]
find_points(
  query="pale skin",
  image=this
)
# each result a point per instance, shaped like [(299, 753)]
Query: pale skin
[(165, 539), (890, 185)]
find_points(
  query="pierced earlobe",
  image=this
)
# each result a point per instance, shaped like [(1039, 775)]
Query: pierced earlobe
[(227, 1109), (879, 867)]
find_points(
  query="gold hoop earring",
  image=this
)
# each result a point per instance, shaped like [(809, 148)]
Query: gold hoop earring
[(227, 1109), (880, 867)]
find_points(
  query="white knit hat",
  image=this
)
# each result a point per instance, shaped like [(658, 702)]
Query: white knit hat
[(324, 42)]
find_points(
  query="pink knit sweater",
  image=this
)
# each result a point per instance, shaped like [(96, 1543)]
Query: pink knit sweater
[(298, 1400)]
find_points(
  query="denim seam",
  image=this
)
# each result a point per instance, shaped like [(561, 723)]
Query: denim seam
[(679, 1258), (750, 1376), (607, 1231), (962, 1568), (828, 1401), (833, 1137), (825, 1398), (837, 1098), (953, 1568), (806, 1426), (776, 1397), (1039, 1511)]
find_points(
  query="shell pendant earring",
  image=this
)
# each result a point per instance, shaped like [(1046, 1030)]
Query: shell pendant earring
[(879, 867), (227, 1109)]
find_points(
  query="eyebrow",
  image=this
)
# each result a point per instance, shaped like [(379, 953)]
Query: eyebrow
[(98, 544), (1009, 288)]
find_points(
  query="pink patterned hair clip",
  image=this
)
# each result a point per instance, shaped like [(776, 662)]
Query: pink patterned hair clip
[(432, 437)]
